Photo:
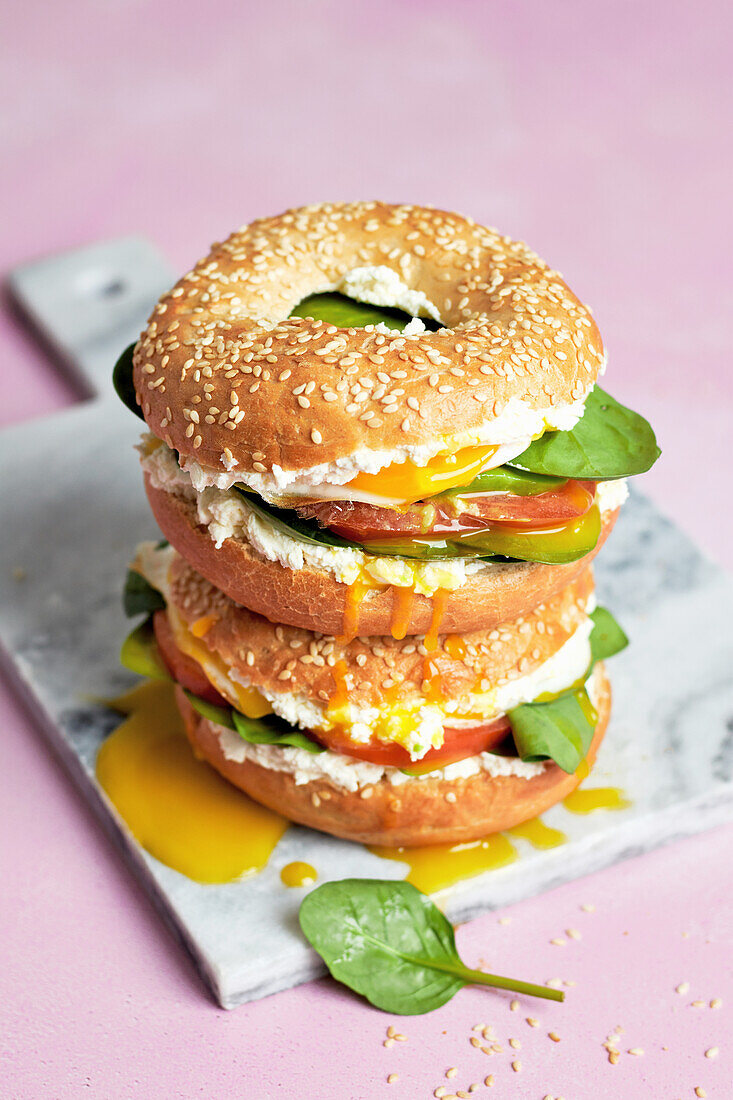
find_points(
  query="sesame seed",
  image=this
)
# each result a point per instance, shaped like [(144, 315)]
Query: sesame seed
[(700, 1092), (636, 1051), (516, 1066), (716, 1003), (533, 1021), (514, 1006), (451, 1072), (392, 1079), (712, 1052), (554, 1036)]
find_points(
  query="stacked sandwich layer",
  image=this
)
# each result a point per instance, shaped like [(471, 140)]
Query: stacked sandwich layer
[(380, 458)]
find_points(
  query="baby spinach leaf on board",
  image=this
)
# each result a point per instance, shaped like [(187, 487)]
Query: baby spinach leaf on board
[(122, 381), (560, 730), (607, 638), (389, 942), (139, 597), (272, 731), (609, 441), (140, 653)]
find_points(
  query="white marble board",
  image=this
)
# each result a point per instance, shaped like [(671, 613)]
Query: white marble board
[(72, 511)]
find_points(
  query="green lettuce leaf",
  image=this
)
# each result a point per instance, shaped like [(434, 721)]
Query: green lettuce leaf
[(609, 441)]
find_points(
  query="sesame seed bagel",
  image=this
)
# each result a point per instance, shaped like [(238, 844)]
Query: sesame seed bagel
[(228, 378), (314, 599), (279, 660), (419, 811)]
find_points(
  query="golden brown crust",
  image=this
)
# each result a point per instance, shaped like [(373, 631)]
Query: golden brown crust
[(226, 376), (276, 658), (412, 814), (315, 600)]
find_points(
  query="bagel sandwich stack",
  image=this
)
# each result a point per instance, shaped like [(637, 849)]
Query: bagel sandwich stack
[(382, 464)]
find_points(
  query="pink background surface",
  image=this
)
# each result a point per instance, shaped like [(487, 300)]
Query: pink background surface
[(595, 131)]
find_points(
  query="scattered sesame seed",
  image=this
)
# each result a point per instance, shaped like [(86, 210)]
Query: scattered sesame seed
[(554, 1036), (573, 933), (558, 941), (588, 908), (716, 1003), (504, 920), (392, 1079), (451, 1072), (515, 1044), (489, 1081), (636, 1051), (683, 987), (516, 1066), (699, 1004), (514, 1006), (712, 1052), (533, 1021), (700, 1092)]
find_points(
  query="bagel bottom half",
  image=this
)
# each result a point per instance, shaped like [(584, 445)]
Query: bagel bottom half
[(413, 814)]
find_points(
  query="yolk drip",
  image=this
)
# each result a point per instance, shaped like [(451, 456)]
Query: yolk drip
[(455, 647), (178, 808), (406, 482), (440, 865), (440, 599), (595, 798), (350, 623), (248, 700), (538, 834), (403, 599), (298, 874)]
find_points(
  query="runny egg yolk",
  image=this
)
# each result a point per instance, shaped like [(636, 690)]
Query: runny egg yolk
[(406, 482)]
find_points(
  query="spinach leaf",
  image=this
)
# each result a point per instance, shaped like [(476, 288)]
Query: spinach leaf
[(609, 441), (560, 730), (140, 653), (339, 309), (273, 731), (389, 942), (607, 638), (122, 381), (288, 521), (257, 731), (222, 716), (139, 597)]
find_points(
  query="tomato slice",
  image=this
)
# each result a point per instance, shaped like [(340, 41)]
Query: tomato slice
[(458, 744), (455, 514), (184, 670)]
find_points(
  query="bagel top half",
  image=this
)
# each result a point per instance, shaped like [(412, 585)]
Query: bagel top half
[(244, 391)]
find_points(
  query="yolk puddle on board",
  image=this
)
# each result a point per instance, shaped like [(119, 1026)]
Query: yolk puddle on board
[(298, 874), (538, 834), (177, 807), (403, 599), (439, 865), (586, 800)]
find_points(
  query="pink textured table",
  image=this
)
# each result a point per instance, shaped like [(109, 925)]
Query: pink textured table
[(592, 130)]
